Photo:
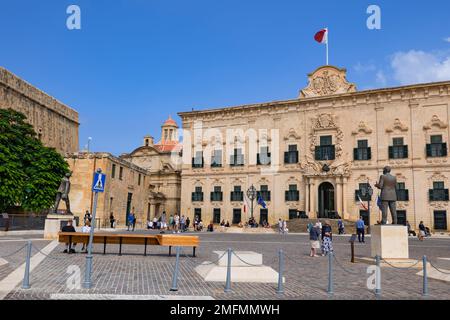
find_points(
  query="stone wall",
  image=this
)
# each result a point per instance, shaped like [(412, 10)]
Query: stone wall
[(117, 189), (55, 123)]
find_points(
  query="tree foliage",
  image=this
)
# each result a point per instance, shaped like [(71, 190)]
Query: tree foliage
[(30, 173)]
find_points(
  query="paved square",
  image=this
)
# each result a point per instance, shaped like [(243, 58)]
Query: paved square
[(306, 278)]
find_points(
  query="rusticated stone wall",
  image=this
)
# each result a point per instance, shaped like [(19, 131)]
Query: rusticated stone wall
[(55, 123)]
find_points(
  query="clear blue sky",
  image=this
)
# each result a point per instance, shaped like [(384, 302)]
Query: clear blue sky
[(134, 62)]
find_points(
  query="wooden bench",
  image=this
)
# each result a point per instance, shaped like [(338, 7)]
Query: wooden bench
[(133, 239)]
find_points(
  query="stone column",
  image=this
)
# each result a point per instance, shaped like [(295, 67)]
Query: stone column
[(152, 211), (346, 214), (313, 194), (339, 196), (307, 195)]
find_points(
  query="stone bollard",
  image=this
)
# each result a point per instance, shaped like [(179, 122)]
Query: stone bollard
[(378, 276), (330, 274), (425, 277), (280, 289), (175, 272), (26, 277), (228, 281)]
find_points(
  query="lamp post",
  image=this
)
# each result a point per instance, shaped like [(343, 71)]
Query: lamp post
[(89, 143), (369, 192), (251, 194)]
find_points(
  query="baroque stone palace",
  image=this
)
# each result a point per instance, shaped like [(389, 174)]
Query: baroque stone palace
[(319, 153), (56, 124)]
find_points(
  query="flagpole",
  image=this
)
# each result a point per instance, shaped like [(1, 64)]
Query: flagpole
[(328, 38)]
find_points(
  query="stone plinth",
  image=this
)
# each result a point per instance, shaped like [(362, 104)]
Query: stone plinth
[(250, 257), (389, 241), (240, 271), (54, 223)]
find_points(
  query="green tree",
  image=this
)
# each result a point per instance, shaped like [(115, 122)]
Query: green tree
[(30, 173)]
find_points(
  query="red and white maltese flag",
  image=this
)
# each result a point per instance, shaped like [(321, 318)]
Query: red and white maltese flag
[(322, 36)]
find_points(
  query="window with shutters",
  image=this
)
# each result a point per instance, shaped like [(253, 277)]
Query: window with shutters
[(264, 193), (197, 195), (291, 156), (263, 158), (363, 151), (237, 194), (398, 150), (402, 192), (436, 148), (292, 194), (217, 194), (438, 193), (197, 161), (326, 150), (237, 158)]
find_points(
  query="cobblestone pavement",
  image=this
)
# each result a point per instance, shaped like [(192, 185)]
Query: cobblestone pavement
[(306, 278)]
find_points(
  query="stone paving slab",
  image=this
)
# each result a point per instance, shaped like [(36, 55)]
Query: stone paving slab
[(306, 278)]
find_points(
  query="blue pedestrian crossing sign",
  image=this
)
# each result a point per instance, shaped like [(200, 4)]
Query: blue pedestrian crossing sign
[(99, 182)]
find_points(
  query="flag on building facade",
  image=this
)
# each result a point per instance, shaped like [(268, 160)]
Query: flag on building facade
[(261, 202), (362, 203)]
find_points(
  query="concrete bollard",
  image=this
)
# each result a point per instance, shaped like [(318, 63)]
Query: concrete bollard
[(330, 274), (228, 281), (425, 277), (280, 289), (175, 272), (26, 277), (378, 276)]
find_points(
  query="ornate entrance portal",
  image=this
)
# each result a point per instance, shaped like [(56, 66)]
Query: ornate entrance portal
[(326, 201)]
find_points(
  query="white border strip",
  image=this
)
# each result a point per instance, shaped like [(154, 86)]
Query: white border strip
[(16, 277)]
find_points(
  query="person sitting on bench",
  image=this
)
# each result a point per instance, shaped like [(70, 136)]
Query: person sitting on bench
[(69, 228)]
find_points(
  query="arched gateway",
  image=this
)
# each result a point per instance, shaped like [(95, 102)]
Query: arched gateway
[(327, 207)]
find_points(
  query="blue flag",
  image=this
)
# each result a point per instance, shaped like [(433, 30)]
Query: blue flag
[(261, 202)]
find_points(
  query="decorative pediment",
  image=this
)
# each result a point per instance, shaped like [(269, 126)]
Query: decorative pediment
[(327, 80), (263, 181), (324, 121), (398, 125), (435, 122), (362, 127), (437, 176), (292, 135), (264, 137)]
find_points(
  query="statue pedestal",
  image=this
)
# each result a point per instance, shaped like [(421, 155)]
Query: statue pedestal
[(389, 241), (54, 223)]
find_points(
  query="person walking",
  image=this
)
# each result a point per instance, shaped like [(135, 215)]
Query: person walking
[(341, 226), (422, 231), (188, 222), (130, 220), (360, 228), (112, 220), (171, 223), (314, 234), (6, 220), (280, 226), (327, 239), (176, 223), (182, 223)]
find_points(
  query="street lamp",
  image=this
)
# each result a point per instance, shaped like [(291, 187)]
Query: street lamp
[(89, 143), (369, 192), (251, 194)]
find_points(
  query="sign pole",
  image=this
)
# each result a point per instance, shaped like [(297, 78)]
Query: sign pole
[(98, 186)]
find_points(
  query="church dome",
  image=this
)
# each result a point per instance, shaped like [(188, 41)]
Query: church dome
[(170, 122)]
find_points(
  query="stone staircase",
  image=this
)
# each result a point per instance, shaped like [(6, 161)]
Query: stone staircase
[(299, 225)]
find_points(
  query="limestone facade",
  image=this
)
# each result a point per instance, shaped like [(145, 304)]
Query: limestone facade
[(56, 124), (146, 181), (342, 138)]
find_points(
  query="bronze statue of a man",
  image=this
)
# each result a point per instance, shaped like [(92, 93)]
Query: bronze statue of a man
[(388, 186), (63, 194)]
